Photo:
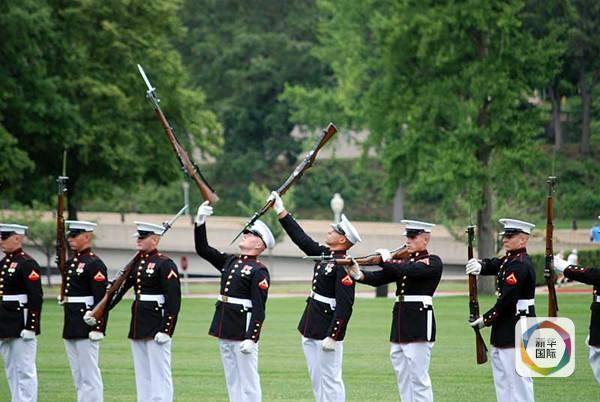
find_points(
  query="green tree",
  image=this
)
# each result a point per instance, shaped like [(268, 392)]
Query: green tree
[(444, 90), (243, 54), (583, 60), (30, 105), (96, 107)]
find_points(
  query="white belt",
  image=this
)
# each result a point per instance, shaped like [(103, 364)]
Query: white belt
[(426, 300), (88, 300), (234, 300), (21, 298), (323, 299), (160, 299), (597, 299), (524, 304)]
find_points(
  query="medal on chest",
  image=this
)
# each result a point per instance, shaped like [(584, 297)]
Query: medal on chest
[(150, 268), (12, 267), (80, 267), (329, 268), (246, 270)]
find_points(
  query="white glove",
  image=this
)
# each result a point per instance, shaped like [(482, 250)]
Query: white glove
[(277, 202), (59, 300), (354, 271), (560, 264), (328, 344), (89, 319), (27, 334), (161, 338), (204, 210), (473, 267), (95, 336), (384, 253), (478, 323), (247, 346)]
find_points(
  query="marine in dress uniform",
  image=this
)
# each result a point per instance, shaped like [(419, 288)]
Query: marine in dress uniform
[(240, 308), (20, 313), (413, 323), (589, 276), (329, 308), (155, 280), (85, 287), (515, 276)]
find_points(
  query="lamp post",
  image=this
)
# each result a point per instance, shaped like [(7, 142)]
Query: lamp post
[(337, 206)]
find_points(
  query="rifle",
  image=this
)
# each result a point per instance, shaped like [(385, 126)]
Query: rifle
[(548, 268), (61, 243), (308, 161), (401, 253), (99, 310), (480, 348), (190, 169)]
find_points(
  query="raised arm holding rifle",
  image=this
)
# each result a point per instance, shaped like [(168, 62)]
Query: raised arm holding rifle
[(241, 307), (329, 308)]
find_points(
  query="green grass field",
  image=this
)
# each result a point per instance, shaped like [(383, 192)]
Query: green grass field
[(368, 375)]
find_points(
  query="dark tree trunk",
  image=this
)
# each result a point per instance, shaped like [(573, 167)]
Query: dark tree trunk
[(72, 173), (556, 113), (48, 268), (485, 235), (586, 106)]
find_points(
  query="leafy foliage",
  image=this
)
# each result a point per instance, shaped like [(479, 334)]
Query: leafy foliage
[(83, 92), (243, 54)]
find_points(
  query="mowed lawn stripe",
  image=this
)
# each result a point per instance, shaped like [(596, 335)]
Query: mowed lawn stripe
[(368, 375)]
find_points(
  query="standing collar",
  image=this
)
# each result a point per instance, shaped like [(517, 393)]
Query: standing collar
[(14, 253), (518, 251), (151, 253), (83, 252), (418, 254)]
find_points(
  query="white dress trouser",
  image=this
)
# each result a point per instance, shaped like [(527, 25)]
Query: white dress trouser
[(510, 386), (325, 370), (241, 372), (411, 364), (19, 363), (83, 358), (152, 363), (595, 361)]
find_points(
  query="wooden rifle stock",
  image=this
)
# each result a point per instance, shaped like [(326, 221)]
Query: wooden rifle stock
[(480, 348), (549, 268), (401, 253), (188, 167), (99, 310), (61, 243), (306, 163)]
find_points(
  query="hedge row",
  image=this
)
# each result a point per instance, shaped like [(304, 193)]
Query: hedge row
[(587, 258)]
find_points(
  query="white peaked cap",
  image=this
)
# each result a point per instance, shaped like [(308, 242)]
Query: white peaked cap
[(516, 226), (145, 228), (12, 227), (260, 229), (81, 226), (416, 227), (348, 230)]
